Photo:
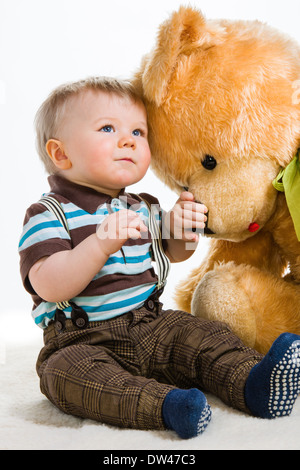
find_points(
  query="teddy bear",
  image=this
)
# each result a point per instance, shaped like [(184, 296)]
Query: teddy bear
[(222, 99)]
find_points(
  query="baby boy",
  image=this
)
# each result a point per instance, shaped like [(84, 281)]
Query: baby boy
[(112, 352)]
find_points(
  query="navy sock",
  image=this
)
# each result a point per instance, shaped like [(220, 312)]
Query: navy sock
[(274, 383), (186, 412)]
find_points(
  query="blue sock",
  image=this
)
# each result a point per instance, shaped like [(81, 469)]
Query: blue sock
[(186, 412), (274, 383)]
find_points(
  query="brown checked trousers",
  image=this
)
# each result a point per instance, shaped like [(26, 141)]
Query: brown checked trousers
[(119, 371)]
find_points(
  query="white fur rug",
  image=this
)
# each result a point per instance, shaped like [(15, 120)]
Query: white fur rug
[(29, 421)]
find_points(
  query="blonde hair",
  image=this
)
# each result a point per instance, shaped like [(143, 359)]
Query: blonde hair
[(50, 114)]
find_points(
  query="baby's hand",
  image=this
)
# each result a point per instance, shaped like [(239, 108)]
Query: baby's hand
[(187, 215), (117, 228)]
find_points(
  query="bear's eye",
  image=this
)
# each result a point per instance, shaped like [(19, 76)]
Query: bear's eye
[(209, 162)]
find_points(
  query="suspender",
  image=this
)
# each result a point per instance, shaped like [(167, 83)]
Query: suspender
[(161, 259), (54, 206)]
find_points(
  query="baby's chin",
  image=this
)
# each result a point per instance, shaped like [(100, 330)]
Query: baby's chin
[(124, 178)]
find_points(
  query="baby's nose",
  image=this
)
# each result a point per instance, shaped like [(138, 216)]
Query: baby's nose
[(127, 142)]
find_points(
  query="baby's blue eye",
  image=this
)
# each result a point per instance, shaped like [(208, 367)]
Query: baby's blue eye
[(107, 129), (137, 132)]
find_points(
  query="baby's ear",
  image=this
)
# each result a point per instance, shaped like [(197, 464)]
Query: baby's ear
[(56, 152), (182, 34)]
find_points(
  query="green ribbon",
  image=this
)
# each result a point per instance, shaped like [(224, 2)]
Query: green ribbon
[(288, 181)]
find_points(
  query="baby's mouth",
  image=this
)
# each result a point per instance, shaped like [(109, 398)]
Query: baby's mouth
[(125, 159)]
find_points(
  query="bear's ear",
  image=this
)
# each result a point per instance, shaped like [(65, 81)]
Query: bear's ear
[(183, 33)]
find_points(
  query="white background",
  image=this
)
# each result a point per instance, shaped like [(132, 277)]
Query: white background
[(46, 42)]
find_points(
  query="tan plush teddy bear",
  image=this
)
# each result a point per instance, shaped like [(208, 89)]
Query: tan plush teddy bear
[(224, 120)]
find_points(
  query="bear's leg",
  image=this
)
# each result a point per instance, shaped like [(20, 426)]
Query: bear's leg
[(256, 305)]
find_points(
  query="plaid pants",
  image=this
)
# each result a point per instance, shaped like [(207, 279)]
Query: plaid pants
[(119, 371)]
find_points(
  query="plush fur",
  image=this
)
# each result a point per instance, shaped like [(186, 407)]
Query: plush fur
[(228, 89)]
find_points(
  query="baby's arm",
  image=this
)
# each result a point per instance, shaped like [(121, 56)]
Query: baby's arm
[(65, 274)]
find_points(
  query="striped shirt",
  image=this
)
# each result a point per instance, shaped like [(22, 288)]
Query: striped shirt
[(126, 280)]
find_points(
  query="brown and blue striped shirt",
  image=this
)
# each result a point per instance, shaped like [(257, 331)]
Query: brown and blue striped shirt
[(127, 278)]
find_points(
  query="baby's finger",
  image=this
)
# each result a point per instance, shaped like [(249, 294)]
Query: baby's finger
[(186, 196), (136, 222), (194, 215), (201, 208), (193, 206), (192, 224), (134, 233), (191, 237)]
